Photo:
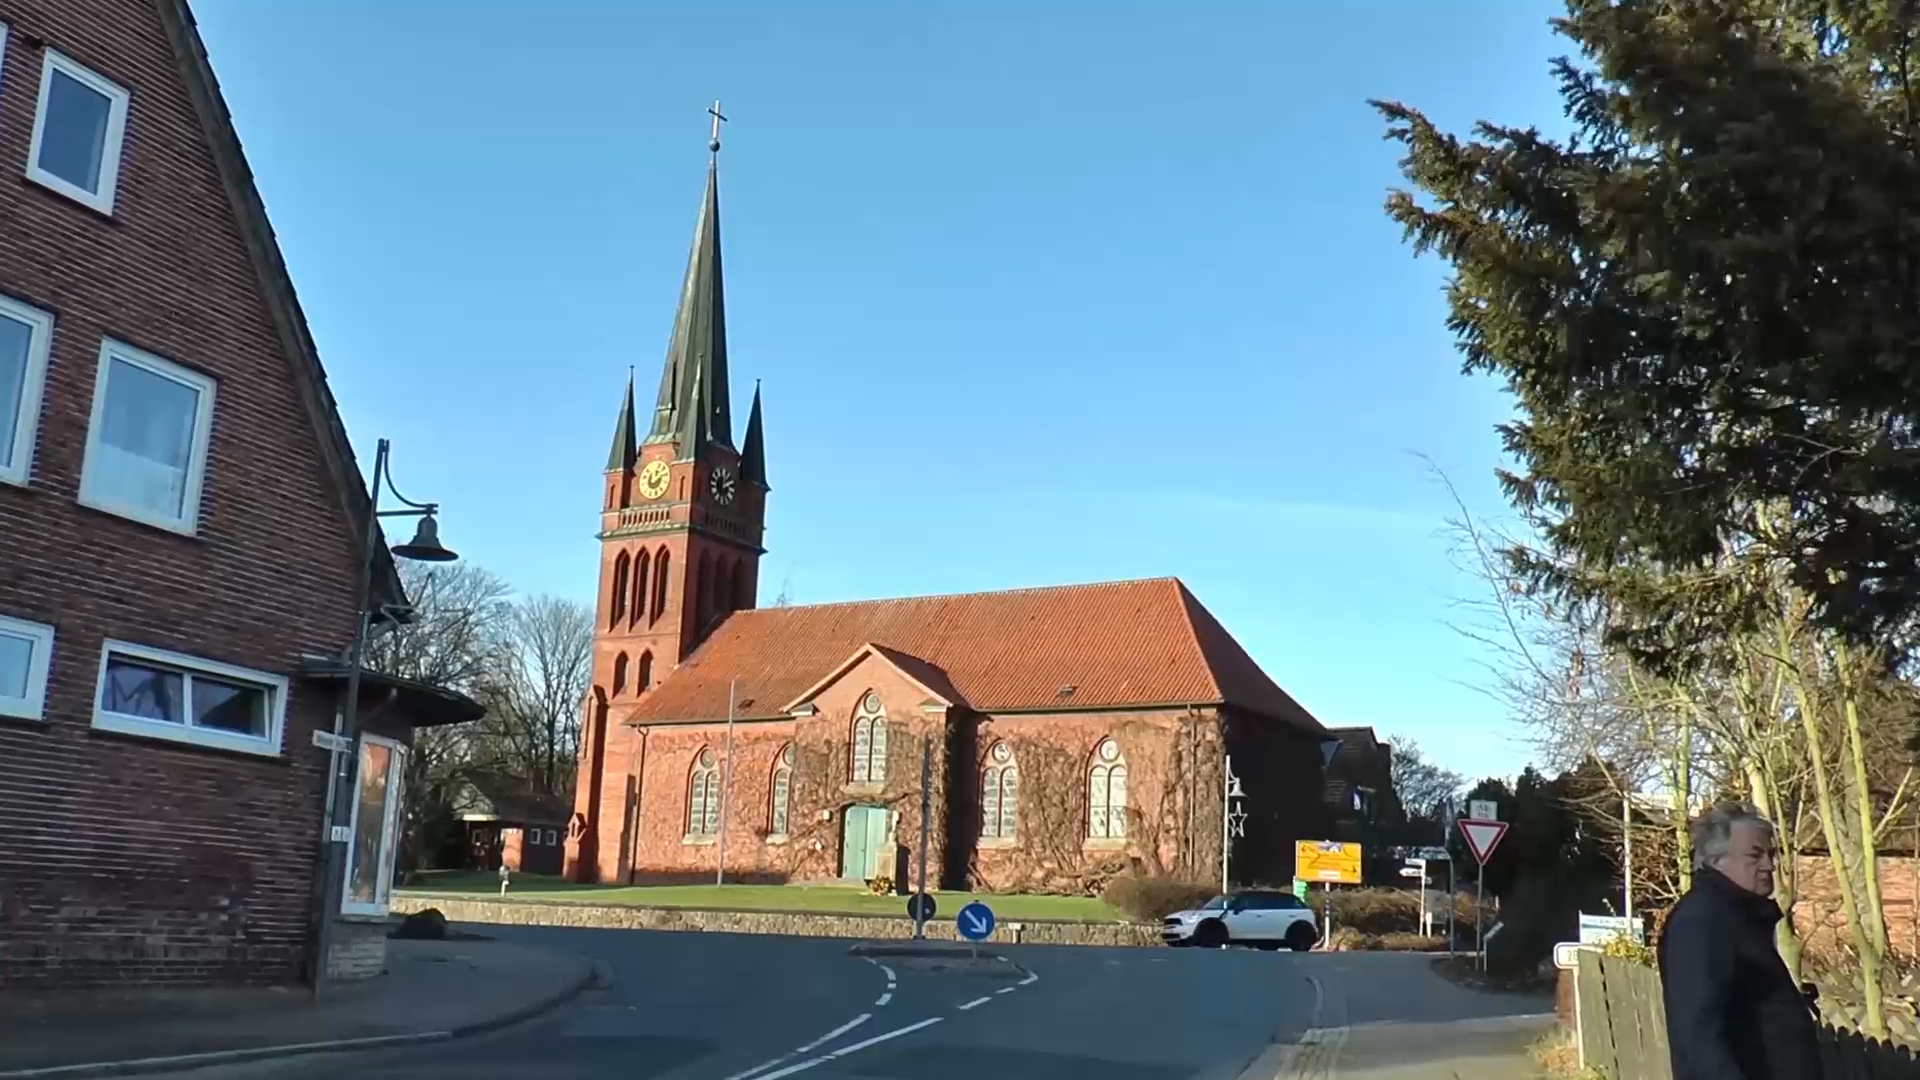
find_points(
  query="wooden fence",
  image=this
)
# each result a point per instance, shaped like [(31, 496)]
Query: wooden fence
[(1623, 1030)]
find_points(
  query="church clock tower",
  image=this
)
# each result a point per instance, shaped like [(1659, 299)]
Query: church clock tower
[(681, 521)]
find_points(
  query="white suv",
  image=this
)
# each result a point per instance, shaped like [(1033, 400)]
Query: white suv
[(1266, 919)]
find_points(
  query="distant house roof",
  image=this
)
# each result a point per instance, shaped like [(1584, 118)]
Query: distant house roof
[(1122, 644), (490, 795)]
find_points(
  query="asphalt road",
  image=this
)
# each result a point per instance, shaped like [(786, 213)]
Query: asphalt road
[(692, 1006)]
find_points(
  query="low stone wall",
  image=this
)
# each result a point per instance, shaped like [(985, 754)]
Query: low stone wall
[(790, 923)]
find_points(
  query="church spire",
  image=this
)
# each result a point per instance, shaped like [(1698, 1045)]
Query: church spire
[(692, 408), (625, 450), (753, 451)]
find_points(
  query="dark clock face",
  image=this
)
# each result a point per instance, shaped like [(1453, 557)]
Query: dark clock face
[(723, 485)]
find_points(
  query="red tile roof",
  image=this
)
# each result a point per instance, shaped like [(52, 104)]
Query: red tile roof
[(1118, 644)]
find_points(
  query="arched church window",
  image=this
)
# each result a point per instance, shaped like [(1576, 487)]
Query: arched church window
[(1107, 793), (661, 563), (870, 741), (703, 795), (619, 674), (1000, 793), (637, 609), (781, 790), (644, 678), (617, 595)]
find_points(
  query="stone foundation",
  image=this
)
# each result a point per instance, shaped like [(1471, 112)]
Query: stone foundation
[(790, 923)]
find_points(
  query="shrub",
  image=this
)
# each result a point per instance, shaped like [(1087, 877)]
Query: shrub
[(880, 886), (1149, 899)]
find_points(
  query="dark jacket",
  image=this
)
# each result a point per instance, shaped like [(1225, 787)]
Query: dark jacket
[(1733, 1012)]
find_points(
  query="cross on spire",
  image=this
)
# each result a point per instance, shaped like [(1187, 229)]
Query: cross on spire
[(718, 119)]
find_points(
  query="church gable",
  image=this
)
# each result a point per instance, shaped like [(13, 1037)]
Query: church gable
[(870, 661)]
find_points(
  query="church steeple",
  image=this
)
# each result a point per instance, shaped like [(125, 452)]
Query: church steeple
[(626, 451), (753, 451), (692, 407)]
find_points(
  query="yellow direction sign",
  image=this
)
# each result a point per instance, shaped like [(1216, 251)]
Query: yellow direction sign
[(1326, 861)]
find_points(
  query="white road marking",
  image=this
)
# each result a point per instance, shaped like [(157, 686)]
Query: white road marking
[(975, 1003), (802, 1066), (1006, 990), (1032, 977), (807, 1049), (881, 1001)]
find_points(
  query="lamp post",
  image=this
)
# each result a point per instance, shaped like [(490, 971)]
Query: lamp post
[(424, 547)]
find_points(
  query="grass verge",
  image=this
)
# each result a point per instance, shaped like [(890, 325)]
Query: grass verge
[(807, 899)]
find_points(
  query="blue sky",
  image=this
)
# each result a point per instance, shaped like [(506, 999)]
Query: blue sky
[(1037, 296)]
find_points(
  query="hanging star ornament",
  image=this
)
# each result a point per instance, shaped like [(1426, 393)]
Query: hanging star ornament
[(1237, 822)]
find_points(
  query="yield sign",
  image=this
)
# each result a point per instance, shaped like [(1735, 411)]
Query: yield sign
[(1483, 837)]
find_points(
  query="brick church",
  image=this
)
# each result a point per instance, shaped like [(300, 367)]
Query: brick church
[(1073, 732)]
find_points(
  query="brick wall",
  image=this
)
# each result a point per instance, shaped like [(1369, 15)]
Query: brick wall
[(359, 950), (123, 859), (1818, 916)]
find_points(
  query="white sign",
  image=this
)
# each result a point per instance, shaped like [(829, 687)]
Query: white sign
[(1483, 837), (1483, 810), (328, 741), (342, 834), (1413, 871), (1566, 955), (1437, 903), (1600, 929)]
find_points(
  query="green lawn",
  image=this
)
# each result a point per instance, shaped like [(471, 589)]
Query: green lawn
[(824, 899)]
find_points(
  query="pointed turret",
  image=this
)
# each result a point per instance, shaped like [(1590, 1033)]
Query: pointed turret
[(626, 450), (753, 451), (692, 408)]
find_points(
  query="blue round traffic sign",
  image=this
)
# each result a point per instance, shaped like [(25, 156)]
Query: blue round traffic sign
[(975, 921)]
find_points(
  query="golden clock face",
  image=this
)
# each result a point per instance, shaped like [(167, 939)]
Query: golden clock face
[(653, 479)]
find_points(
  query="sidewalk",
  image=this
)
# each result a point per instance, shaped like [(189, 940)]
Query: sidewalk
[(1491, 1049), (432, 990)]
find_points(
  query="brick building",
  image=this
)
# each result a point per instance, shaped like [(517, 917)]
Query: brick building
[(180, 534), (1073, 732)]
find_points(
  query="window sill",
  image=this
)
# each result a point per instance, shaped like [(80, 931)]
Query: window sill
[(188, 529), (364, 913), (778, 840), (72, 193), (1105, 844), (864, 787), (180, 734), (990, 843), (693, 840)]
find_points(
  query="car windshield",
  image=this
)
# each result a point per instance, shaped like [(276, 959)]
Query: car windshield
[(1218, 903)]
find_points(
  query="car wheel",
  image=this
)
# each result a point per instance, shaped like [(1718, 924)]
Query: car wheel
[(1210, 934), (1301, 937)]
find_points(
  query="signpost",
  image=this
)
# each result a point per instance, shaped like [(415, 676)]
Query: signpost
[(1483, 835), (1566, 955), (1483, 810), (1600, 929), (975, 922), (926, 817), (1327, 861), (1330, 863), (921, 907), (1417, 868)]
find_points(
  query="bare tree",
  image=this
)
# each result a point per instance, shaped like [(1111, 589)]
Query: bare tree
[(1421, 785), (541, 668)]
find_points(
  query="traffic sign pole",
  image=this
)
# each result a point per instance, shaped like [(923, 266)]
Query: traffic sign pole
[(926, 812)]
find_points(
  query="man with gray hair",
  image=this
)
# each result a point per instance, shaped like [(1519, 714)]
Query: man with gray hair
[(1733, 1012)]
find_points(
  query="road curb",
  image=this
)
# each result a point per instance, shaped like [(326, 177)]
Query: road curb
[(598, 975)]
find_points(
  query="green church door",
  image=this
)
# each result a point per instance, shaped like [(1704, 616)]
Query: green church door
[(864, 838)]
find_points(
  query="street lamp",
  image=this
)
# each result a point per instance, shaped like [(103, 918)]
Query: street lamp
[(424, 547)]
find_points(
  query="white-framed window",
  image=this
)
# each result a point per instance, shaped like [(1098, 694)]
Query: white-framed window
[(780, 792), (165, 695), (79, 130), (375, 826), (147, 440), (553, 838), (26, 655), (26, 333)]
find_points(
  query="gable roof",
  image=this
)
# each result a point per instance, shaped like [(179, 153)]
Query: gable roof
[(927, 676), (276, 289), (1120, 644), (489, 794)]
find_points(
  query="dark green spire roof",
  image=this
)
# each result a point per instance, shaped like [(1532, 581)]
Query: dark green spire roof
[(753, 452), (625, 450), (692, 408)]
